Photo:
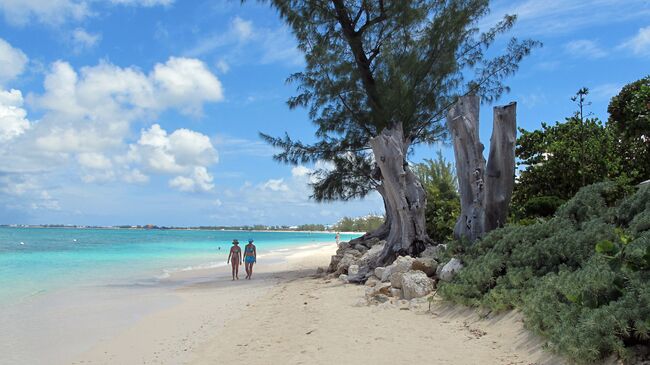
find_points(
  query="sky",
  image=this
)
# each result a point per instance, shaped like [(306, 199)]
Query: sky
[(148, 111)]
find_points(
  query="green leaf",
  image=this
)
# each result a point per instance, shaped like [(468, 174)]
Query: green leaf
[(606, 247)]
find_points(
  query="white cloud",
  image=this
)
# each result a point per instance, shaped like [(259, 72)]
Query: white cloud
[(12, 62), (13, 118), (147, 3), (199, 180), (94, 160), (179, 152), (275, 185), (20, 12), (57, 12), (584, 48), (242, 42), (82, 40), (135, 176), (605, 91), (186, 83), (243, 29), (45, 201), (553, 17), (640, 43), (299, 171)]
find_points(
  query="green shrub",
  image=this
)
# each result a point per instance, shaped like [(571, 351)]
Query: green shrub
[(580, 278)]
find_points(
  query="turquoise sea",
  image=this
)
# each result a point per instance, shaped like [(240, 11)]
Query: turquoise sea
[(34, 261)]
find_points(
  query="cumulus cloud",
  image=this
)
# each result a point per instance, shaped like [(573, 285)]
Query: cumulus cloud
[(640, 43), (13, 118), (12, 62), (198, 180), (183, 152)]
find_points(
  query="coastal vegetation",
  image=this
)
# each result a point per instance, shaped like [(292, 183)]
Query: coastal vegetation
[(577, 260), (375, 87)]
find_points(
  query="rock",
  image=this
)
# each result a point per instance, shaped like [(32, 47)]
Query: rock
[(379, 271), (372, 281), (347, 260), (343, 278), (450, 269), (415, 284), (402, 264), (380, 288), (320, 271), (397, 293), (425, 264), (365, 262), (434, 252), (361, 248), (334, 263), (353, 270), (396, 280), (380, 298)]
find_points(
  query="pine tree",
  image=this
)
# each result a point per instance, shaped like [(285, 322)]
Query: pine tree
[(378, 80)]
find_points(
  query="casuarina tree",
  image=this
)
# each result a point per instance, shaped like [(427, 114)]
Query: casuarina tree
[(378, 79)]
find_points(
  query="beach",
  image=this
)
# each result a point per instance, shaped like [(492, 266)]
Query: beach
[(288, 315)]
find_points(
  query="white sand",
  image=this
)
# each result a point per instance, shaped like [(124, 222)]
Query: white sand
[(285, 316)]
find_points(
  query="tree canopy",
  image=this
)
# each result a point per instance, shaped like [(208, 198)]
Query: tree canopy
[(376, 65)]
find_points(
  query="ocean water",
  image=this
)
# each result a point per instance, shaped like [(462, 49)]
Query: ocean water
[(34, 261)]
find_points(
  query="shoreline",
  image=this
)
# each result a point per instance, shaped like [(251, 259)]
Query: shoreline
[(288, 315), (177, 229)]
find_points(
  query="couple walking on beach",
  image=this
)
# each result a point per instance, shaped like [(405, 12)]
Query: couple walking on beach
[(235, 257)]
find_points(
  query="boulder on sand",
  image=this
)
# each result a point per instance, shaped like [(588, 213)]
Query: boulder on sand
[(415, 284), (450, 269)]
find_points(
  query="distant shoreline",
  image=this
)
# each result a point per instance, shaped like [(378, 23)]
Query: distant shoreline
[(175, 229)]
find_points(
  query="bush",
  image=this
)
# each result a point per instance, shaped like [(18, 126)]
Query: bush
[(581, 278)]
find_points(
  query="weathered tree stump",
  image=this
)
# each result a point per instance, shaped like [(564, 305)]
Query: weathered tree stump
[(485, 191)]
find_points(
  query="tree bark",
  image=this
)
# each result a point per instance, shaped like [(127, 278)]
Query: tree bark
[(485, 191), (501, 166), (462, 122), (404, 197)]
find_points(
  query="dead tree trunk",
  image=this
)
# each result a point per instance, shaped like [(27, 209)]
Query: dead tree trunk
[(462, 122), (484, 192), (500, 179), (404, 197)]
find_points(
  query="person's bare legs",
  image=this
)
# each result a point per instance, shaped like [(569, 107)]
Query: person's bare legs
[(250, 270), (234, 267)]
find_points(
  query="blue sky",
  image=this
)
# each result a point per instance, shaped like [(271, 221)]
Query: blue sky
[(148, 111)]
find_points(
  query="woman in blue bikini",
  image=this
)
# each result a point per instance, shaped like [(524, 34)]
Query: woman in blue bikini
[(250, 257)]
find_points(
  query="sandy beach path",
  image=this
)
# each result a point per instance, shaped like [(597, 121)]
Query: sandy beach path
[(317, 321)]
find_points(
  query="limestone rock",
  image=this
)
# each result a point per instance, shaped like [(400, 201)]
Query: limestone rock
[(380, 298), (343, 278), (372, 281), (450, 269), (347, 260), (379, 271), (353, 270), (380, 288), (415, 284), (397, 293), (402, 264), (425, 264), (434, 252), (396, 280)]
